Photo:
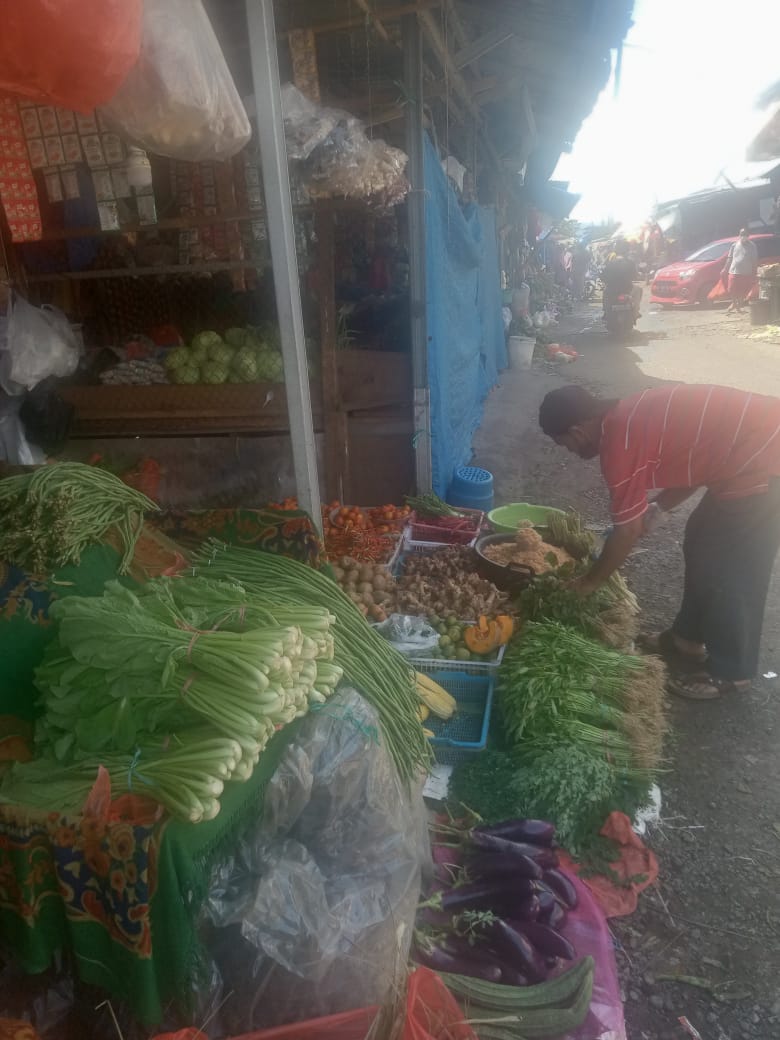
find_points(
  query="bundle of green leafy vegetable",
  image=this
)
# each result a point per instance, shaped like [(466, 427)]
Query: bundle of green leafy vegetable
[(557, 686), (53, 513), (175, 689), (563, 783), (368, 661)]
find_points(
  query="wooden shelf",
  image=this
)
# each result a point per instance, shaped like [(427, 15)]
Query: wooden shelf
[(203, 267), (167, 410)]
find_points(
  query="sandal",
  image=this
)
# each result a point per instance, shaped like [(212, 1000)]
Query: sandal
[(705, 687), (663, 644)]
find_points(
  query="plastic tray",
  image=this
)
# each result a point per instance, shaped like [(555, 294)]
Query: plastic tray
[(424, 533), (429, 665), (466, 732)]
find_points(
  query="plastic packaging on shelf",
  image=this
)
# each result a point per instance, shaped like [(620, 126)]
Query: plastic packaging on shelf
[(313, 912), (180, 99), (340, 159), (15, 449), (39, 343)]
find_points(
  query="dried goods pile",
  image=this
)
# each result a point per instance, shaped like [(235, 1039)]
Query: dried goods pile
[(528, 549), (446, 582)]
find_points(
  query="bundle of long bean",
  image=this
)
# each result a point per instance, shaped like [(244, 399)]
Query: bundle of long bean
[(189, 677), (49, 516), (368, 661), (556, 685)]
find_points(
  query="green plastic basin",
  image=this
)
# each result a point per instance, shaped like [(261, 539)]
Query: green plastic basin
[(507, 519)]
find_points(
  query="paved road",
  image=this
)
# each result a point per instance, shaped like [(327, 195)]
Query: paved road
[(715, 914)]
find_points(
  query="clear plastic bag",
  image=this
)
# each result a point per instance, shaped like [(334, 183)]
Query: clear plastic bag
[(313, 913), (409, 635), (180, 99), (340, 160), (39, 343)]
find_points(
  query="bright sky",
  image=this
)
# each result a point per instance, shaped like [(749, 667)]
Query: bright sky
[(685, 109)]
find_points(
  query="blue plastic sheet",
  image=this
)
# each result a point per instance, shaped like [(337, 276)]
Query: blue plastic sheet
[(466, 346)]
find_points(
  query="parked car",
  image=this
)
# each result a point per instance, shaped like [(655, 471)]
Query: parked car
[(692, 279)]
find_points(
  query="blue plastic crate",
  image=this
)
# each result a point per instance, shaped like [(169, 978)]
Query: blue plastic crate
[(467, 731)]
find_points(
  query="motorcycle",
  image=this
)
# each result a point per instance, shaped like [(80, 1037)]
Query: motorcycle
[(619, 314)]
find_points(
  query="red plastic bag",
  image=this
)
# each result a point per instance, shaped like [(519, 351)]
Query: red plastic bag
[(432, 1013), (71, 53)]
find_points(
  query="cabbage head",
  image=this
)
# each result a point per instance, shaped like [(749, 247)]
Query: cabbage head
[(188, 373)]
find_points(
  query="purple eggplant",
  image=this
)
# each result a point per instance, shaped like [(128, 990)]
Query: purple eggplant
[(486, 895), (562, 887), (547, 941), (537, 832), (547, 902), (438, 960), (515, 948), (545, 857), (557, 917), (492, 864), (551, 963), (459, 946), (528, 910), (512, 977)]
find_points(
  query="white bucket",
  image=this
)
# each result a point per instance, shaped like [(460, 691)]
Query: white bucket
[(521, 351)]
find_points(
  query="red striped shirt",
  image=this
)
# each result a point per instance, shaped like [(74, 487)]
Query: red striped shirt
[(685, 436)]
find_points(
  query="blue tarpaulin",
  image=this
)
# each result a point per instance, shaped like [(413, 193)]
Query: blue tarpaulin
[(466, 346)]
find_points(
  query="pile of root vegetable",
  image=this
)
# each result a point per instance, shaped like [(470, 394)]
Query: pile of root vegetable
[(494, 926), (442, 583)]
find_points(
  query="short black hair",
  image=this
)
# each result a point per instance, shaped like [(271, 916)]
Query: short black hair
[(566, 407)]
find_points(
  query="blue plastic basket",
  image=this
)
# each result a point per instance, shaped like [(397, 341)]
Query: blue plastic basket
[(471, 488), (467, 731)]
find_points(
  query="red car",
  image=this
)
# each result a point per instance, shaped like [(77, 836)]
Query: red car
[(691, 280)]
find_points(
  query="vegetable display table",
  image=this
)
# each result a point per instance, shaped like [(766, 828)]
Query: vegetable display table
[(120, 893)]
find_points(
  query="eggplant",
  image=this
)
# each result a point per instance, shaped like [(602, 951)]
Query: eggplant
[(459, 946), (515, 948), (492, 843), (428, 915), (562, 887), (528, 910), (512, 977), (537, 832), (438, 960), (547, 902), (556, 918), (486, 895), (492, 864), (546, 940)]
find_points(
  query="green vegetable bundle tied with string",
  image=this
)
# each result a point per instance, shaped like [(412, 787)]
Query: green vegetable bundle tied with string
[(556, 686), (369, 662), (175, 689), (49, 516)]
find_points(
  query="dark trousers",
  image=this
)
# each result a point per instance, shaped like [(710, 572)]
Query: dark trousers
[(730, 546)]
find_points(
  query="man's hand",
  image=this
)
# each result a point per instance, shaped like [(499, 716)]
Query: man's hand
[(583, 586)]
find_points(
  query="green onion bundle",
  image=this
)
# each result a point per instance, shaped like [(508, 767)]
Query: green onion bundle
[(368, 661), (49, 516)]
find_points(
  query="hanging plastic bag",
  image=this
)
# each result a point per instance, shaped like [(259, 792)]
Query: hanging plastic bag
[(39, 343), (72, 53), (180, 99)]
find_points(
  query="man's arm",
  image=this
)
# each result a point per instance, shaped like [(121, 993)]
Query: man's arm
[(620, 541)]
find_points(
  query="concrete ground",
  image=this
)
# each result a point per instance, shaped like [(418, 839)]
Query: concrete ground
[(705, 941)]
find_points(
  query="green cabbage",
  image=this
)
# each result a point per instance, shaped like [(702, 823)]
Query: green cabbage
[(202, 343), (221, 352), (236, 337), (245, 365), (270, 367), (189, 373), (177, 358), (215, 372)]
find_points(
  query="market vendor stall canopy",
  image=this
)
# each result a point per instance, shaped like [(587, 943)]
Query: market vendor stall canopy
[(766, 143)]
